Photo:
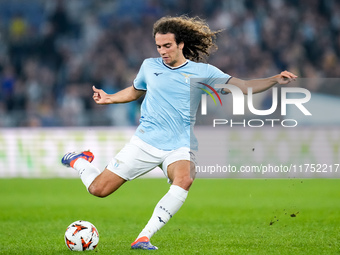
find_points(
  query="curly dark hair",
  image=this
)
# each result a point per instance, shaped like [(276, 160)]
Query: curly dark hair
[(194, 32)]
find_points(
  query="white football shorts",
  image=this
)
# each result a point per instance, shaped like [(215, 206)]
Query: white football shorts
[(138, 157)]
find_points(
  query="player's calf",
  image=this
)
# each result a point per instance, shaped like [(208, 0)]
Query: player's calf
[(105, 184)]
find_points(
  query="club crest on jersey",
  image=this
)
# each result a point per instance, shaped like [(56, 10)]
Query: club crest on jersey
[(187, 77)]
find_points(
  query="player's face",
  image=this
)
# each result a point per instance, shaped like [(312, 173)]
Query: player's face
[(170, 51)]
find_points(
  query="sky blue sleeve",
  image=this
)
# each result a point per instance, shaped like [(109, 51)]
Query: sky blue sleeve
[(216, 76), (140, 82)]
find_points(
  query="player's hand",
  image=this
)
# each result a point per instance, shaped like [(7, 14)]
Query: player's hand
[(100, 97), (285, 77)]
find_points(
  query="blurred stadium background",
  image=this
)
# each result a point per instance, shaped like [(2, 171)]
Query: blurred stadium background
[(52, 51)]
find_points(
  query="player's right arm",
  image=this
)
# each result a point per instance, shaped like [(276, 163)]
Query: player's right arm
[(124, 96)]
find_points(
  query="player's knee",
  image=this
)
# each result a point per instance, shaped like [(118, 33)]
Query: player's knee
[(97, 191), (184, 182)]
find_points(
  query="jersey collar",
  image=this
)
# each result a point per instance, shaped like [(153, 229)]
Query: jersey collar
[(173, 68)]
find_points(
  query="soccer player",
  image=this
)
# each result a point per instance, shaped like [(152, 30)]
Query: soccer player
[(164, 137)]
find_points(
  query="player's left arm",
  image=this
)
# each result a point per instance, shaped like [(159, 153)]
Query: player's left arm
[(259, 85)]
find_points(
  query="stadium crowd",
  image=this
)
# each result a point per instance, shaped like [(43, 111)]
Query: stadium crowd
[(51, 52)]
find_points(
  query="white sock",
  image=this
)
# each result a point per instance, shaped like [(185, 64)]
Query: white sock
[(164, 210), (87, 171)]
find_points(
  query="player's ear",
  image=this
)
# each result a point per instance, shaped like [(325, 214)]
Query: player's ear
[(181, 45)]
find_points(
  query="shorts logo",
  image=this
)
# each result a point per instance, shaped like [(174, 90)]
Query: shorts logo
[(117, 163)]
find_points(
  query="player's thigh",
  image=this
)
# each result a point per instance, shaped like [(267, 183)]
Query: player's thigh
[(179, 164), (106, 183), (182, 173), (181, 169)]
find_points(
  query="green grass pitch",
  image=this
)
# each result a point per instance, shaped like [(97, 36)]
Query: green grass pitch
[(220, 216)]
